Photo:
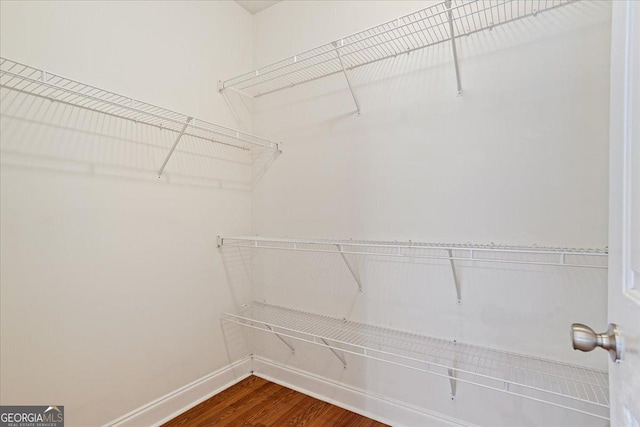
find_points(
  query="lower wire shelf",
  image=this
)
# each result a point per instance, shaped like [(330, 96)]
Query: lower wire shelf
[(559, 384)]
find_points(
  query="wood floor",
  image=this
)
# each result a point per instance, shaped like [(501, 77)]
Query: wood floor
[(255, 402)]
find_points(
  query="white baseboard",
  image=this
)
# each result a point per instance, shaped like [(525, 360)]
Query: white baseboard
[(377, 407), (178, 401), (370, 405)]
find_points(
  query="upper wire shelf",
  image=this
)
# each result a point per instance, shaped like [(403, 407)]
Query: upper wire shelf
[(559, 384), (37, 82), (427, 27), (536, 255)]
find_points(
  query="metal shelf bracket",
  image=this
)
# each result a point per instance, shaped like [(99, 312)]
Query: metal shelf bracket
[(452, 371), (173, 147), (293, 350), (456, 282), (346, 76), (335, 353), (350, 267), (453, 46), (453, 381)]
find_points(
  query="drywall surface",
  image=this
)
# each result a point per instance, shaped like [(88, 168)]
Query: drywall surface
[(111, 283), (520, 158)]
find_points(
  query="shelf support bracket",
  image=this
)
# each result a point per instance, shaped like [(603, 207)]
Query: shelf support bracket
[(293, 350), (452, 382), (346, 76), (452, 371), (350, 267), (173, 147), (335, 353), (455, 275), (453, 45)]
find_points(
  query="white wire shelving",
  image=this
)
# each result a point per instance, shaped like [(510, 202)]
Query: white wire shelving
[(453, 252), (559, 384), (40, 83), (440, 23), (534, 255)]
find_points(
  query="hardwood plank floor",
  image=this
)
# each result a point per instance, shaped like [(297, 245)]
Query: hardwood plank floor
[(255, 402)]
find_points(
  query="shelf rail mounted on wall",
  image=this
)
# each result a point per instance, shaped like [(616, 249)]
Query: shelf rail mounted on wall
[(559, 384), (40, 83), (440, 23), (453, 252)]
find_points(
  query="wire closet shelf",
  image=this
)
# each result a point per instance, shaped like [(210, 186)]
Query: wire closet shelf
[(559, 384), (534, 255), (431, 26), (40, 83)]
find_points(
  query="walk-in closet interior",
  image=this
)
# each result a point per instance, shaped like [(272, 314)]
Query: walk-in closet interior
[(412, 210)]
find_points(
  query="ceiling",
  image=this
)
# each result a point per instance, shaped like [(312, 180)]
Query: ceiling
[(255, 6)]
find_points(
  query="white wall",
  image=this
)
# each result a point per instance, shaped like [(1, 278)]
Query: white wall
[(520, 158), (111, 283)]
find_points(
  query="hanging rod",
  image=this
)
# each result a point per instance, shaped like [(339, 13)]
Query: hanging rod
[(43, 84), (427, 27), (533, 255)]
